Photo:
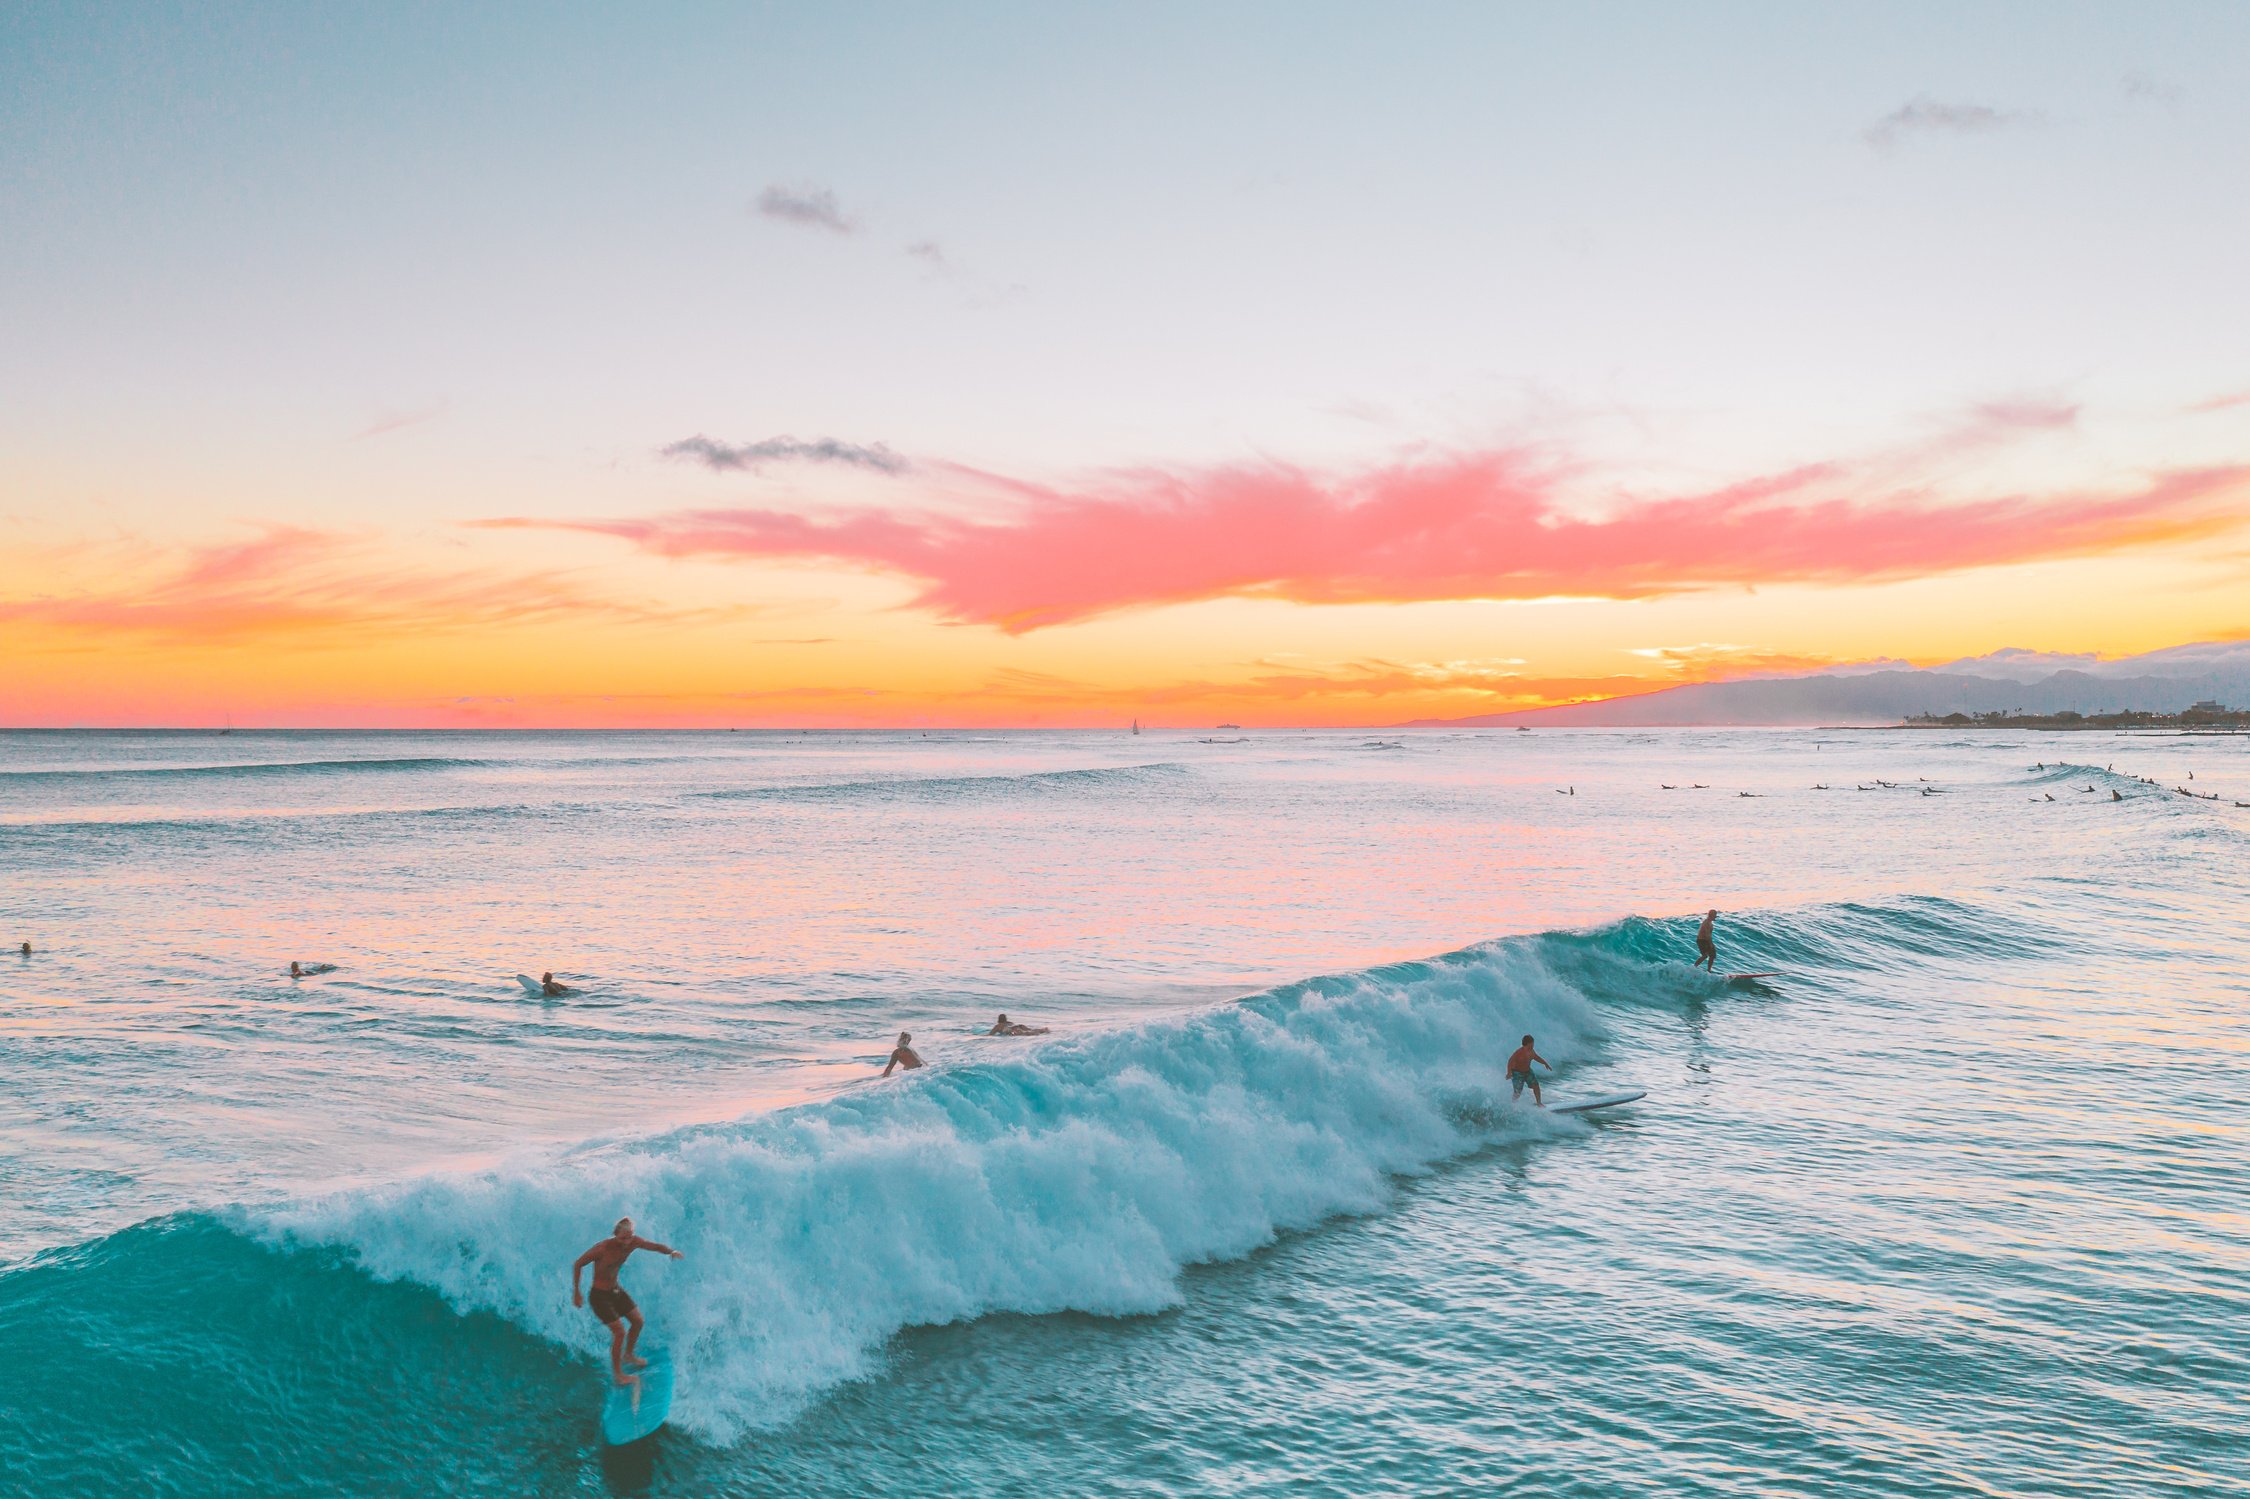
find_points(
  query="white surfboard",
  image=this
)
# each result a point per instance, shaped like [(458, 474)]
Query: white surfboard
[(1607, 1100), (530, 984)]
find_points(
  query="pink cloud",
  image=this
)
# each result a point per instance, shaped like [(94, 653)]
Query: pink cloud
[(1493, 525), (298, 584)]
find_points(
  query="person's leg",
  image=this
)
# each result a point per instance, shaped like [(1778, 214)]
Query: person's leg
[(1515, 1085), (1535, 1098), (616, 1350), (633, 1318)]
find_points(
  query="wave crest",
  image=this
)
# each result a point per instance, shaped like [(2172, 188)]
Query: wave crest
[(1080, 1175)]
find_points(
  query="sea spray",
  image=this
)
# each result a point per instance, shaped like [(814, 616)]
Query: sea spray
[(1081, 1174)]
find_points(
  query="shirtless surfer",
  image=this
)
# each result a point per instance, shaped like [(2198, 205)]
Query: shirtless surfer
[(611, 1304), (1519, 1072), (550, 988), (1706, 951), (1006, 1027), (902, 1055)]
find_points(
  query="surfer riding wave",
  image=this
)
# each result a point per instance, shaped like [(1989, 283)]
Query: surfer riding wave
[(608, 1299)]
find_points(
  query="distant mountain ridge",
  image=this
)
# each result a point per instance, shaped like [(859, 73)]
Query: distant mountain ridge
[(1878, 693)]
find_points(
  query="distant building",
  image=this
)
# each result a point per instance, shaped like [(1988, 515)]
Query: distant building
[(2208, 705)]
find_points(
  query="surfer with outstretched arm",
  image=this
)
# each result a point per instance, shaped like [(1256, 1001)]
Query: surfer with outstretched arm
[(1706, 950), (902, 1055), (1519, 1072), (611, 1304)]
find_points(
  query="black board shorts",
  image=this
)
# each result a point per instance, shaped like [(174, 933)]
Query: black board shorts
[(609, 1302)]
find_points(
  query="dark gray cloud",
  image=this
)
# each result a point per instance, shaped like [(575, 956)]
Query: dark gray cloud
[(813, 206), (1923, 114), (722, 457)]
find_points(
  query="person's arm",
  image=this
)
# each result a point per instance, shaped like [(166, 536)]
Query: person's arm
[(1542, 1061), (892, 1063), (655, 1248), (578, 1297)]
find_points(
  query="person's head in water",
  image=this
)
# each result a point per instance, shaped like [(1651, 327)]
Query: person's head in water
[(624, 1229), (905, 1038), (1003, 1017)]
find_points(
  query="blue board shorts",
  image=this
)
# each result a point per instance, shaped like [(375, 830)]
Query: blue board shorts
[(1519, 1079)]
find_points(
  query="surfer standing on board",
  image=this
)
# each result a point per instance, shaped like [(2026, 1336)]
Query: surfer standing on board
[(611, 1304), (1706, 951), (1519, 1072)]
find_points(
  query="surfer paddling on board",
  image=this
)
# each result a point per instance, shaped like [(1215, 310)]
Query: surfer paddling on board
[(610, 1303), (1006, 1027), (902, 1055), (1519, 1072), (1706, 951)]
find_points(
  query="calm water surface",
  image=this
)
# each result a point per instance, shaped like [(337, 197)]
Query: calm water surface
[(1952, 1206)]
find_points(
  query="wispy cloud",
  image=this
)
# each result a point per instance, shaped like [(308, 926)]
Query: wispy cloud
[(388, 421), (2022, 414), (1482, 525), (293, 586), (723, 457), (977, 291), (806, 204), (1923, 115), (2144, 88), (2227, 402), (1708, 661)]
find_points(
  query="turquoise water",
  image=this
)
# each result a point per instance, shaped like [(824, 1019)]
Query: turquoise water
[(1951, 1207)]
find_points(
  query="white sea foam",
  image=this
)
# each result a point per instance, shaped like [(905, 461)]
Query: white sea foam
[(1081, 1174)]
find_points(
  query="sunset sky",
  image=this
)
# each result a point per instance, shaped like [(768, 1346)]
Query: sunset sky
[(1062, 364)]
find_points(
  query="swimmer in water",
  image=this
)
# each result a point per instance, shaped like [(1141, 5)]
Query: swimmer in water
[(1519, 1072), (25, 950), (611, 1304), (1006, 1027), (296, 970), (902, 1055), (1706, 950), (550, 988)]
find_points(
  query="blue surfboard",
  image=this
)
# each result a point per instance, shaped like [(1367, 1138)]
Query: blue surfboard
[(631, 1412)]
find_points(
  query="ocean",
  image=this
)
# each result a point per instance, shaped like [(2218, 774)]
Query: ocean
[(1952, 1205)]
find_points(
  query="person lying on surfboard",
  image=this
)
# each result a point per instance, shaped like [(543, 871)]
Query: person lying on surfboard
[(611, 1304), (1519, 1072), (1706, 951), (1006, 1027), (902, 1055)]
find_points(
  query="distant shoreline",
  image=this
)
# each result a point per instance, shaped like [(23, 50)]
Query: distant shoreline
[(2198, 721)]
